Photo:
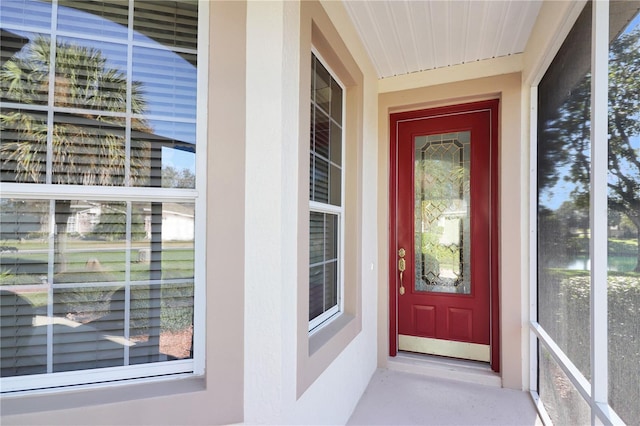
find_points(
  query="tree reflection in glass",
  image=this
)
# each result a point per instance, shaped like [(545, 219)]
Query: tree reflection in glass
[(80, 107), (624, 210)]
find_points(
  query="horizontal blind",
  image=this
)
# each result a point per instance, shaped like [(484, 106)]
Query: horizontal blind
[(97, 282), (325, 193), (99, 318)]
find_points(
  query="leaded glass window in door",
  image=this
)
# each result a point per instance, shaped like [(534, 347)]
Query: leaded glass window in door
[(442, 213)]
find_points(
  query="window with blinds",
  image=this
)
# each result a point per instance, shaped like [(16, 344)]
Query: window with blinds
[(325, 195), (99, 205)]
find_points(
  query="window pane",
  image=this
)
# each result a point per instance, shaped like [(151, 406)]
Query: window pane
[(91, 75), (24, 231), (92, 149), (321, 181), (326, 138), (88, 328), (87, 151), (321, 132), (25, 13), (336, 101), (335, 178), (23, 145), (163, 247), (176, 320), (316, 291), (24, 63), (442, 213), (323, 277), (151, 17), (174, 146), (162, 96), (161, 325), (322, 88), (331, 237), (121, 280), (563, 195), (146, 159), (330, 285), (562, 401), (23, 338), (107, 19), (323, 240), (90, 241), (336, 144), (316, 238), (624, 210)]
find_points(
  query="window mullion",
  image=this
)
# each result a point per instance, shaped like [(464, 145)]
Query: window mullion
[(51, 95), (324, 262), (50, 273), (127, 130), (127, 280), (598, 203), (324, 208), (97, 193)]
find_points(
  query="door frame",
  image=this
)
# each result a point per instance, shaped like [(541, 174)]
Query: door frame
[(459, 109)]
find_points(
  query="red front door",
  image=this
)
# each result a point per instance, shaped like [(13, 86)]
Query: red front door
[(444, 236)]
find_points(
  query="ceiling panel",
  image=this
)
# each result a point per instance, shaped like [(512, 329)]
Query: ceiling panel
[(403, 36), (459, 17)]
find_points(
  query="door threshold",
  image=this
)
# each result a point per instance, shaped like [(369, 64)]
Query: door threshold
[(445, 368)]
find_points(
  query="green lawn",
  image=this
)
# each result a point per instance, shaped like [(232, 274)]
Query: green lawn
[(104, 262), (94, 264), (627, 247)]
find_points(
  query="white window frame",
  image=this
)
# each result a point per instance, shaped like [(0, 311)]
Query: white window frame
[(149, 372), (318, 322), (595, 394)]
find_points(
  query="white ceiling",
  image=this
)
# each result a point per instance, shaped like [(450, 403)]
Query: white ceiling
[(405, 36)]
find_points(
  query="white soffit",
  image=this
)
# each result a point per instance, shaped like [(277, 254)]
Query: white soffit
[(406, 36)]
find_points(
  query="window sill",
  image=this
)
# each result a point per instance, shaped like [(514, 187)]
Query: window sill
[(323, 334), (100, 394)]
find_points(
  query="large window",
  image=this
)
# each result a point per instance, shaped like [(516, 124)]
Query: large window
[(588, 220), (325, 195), (329, 300), (99, 200), (623, 214)]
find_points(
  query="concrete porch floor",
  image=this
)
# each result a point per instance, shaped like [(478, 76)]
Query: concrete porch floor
[(441, 392)]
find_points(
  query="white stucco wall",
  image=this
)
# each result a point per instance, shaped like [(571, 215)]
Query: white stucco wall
[(273, 93)]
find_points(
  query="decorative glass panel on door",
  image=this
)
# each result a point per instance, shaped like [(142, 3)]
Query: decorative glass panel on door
[(442, 213)]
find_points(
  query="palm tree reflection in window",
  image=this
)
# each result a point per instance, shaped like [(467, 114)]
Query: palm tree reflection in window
[(84, 141), (87, 148)]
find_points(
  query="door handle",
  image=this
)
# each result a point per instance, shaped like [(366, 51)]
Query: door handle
[(402, 265)]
